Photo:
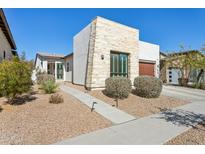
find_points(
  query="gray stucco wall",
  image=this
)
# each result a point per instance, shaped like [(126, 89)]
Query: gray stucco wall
[(80, 52), (4, 46)]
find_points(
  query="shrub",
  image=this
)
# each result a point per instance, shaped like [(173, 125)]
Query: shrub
[(118, 87), (15, 78), (202, 86), (49, 86), (56, 99), (41, 78), (147, 86)]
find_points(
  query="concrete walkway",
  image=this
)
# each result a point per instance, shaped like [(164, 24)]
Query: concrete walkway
[(111, 113), (154, 129)]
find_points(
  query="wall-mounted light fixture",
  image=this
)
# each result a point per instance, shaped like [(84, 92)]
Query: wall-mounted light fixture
[(102, 57)]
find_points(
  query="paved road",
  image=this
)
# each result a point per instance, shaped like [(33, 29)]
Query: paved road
[(154, 129)]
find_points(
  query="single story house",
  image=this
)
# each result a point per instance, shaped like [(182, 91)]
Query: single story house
[(171, 74), (7, 43), (102, 49)]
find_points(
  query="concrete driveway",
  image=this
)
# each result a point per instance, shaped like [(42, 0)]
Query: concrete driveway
[(183, 93)]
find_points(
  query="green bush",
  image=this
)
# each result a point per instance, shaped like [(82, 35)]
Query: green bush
[(196, 85), (15, 78), (49, 86), (56, 99), (42, 77), (147, 86), (118, 87), (202, 86)]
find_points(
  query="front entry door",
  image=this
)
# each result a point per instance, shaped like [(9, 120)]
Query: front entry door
[(59, 71)]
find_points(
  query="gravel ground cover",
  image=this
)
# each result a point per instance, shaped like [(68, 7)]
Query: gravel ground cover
[(135, 105), (193, 136), (35, 121)]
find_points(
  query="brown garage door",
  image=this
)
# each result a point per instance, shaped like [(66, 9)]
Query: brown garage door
[(146, 68)]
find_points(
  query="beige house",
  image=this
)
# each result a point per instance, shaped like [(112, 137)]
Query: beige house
[(171, 74), (7, 44), (103, 49)]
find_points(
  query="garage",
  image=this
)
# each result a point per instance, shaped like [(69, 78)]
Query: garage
[(146, 68)]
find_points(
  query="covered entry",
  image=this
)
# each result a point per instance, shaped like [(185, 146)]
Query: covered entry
[(146, 68)]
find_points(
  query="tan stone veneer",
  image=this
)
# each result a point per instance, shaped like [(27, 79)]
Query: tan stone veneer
[(107, 36)]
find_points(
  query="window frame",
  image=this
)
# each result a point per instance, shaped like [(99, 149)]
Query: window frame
[(122, 68), (4, 55), (67, 66)]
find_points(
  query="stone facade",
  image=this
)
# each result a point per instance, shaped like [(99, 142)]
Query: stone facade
[(4, 46), (107, 36)]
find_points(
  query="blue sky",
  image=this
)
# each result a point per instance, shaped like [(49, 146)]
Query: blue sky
[(52, 30)]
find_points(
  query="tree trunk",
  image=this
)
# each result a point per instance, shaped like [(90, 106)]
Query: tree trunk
[(116, 102), (199, 75)]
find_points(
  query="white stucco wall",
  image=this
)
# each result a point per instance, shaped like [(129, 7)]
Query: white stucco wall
[(4, 46), (80, 53), (68, 75), (150, 52), (38, 65)]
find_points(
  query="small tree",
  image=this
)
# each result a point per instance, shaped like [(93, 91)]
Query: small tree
[(15, 78), (23, 55), (200, 64), (185, 61), (118, 87)]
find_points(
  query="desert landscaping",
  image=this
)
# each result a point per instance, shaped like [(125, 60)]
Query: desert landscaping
[(135, 105), (36, 121)]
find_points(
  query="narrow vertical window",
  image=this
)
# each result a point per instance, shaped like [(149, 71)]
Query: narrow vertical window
[(67, 67), (4, 55)]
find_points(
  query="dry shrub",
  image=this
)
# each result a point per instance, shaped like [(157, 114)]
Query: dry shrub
[(147, 86), (56, 99)]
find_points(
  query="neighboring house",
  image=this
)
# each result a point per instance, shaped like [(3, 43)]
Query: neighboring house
[(171, 75), (103, 49), (57, 65), (7, 44)]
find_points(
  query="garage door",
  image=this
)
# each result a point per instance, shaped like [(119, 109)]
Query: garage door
[(146, 69)]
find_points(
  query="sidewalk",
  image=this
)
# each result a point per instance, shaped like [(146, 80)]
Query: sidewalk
[(111, 113), (154, 129)]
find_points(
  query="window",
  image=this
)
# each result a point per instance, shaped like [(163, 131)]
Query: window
[(59, 71), (4, 55), (67, 67), (41, 63), (118, 64)]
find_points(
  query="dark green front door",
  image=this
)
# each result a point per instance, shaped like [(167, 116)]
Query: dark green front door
[(59, 71)]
